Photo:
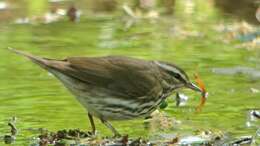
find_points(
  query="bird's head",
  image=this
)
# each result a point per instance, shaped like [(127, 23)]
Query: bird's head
[(176, 77)]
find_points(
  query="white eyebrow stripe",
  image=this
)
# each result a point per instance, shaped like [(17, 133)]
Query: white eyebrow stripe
[(170, 68)]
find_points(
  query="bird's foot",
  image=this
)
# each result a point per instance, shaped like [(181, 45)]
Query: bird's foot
[(92, 134)]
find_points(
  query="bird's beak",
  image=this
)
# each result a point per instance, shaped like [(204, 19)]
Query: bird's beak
[(193, 87)]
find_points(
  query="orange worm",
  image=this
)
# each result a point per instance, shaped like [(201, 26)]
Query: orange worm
[(203, 94)]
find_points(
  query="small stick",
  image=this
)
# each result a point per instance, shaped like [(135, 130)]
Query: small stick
[(13, 128)]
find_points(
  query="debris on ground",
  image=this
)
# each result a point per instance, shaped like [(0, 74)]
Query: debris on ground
[(159, 121), (253, 116), (244, 140), (199, 138), (164, 138), (77, 137)]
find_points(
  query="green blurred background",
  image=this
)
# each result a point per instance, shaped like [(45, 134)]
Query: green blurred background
[(197, 35)]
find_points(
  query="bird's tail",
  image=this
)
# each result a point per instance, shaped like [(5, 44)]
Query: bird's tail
[(38, 60)]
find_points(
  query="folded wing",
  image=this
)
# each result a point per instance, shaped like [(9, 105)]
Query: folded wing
[(123, 76)]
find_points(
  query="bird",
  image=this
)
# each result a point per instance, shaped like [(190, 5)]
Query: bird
[(115, 87)]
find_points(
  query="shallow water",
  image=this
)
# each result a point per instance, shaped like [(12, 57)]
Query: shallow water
[(38, 100)]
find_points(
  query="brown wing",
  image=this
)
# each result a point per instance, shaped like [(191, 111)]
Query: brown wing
[(126, 76), (120, 75)]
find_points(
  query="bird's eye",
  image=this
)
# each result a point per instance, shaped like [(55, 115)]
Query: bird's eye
[(178, 76)]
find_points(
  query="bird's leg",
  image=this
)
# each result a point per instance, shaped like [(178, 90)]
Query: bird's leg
[(108, 125), (178, 99), (92, 123)]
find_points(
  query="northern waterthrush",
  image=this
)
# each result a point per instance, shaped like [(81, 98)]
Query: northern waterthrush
[(116, 87)]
